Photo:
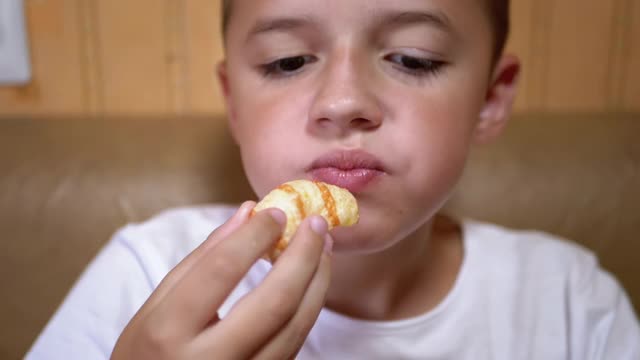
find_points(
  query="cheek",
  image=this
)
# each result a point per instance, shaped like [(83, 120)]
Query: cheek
[(265, 153), (435, 138), (268, 129)]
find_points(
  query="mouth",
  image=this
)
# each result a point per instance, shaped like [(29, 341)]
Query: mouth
[(354, 170)]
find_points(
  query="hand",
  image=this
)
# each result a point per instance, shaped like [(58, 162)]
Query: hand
[(180, 320)]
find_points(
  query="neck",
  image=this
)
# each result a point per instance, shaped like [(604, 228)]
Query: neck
[(406, 280)]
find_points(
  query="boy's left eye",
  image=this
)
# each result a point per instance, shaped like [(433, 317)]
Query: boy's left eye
[(415, 65)]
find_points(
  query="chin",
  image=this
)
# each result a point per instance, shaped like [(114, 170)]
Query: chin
[(363, 238), (376, 232)]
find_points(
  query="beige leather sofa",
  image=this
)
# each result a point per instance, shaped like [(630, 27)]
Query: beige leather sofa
[(67, 184)]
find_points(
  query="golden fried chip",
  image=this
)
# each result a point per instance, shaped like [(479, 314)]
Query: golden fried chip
[(302, 198)]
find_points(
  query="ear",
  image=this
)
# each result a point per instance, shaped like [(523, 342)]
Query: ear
[(499, 100), (223, 80)]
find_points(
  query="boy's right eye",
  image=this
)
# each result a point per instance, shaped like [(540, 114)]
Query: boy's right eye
[(287, 66)]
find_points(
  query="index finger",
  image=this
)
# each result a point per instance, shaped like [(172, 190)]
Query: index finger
[(174, 276), (277, 299), (203, 289)]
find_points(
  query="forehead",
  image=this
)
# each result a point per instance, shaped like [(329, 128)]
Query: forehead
[(464, 16)]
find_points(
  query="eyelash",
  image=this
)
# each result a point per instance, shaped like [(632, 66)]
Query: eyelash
[(425, 67), (274, 68)]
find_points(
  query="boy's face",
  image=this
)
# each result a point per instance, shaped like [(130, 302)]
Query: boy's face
[(381, 97)]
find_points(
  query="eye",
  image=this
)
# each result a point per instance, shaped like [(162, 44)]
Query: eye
[(415, 65), (287, 66)]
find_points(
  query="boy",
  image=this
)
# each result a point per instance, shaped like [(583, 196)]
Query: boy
[(383, 98)]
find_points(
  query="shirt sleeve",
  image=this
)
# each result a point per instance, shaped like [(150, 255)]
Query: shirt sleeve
[(101, 303), (603, 323)]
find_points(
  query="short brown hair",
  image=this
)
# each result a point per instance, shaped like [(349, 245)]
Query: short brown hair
[(498, 11)]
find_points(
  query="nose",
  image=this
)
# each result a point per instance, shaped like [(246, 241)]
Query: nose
[(345, 99)]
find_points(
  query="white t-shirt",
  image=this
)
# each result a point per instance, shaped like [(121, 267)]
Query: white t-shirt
[(519, 295)]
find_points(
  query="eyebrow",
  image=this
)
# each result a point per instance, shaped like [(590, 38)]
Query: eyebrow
[(437, 19), (279, 24)]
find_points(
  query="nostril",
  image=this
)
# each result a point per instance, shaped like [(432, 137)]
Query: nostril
[(362, 123), (324, 122)]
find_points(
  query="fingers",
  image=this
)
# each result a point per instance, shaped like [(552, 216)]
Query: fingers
[(264, 312), (232, 224), (288, 342), (195, 299)]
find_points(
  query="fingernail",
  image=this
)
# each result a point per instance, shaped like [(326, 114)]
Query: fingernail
[(318, 225), (278, 215), (328, 244), (243, 210)]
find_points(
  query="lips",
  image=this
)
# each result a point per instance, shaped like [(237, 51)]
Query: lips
[(354, 170)]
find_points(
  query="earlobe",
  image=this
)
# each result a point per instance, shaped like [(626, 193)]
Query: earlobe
[(499, 100)]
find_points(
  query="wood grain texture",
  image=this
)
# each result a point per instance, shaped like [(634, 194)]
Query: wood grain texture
[(56, 60), (538, 46), (579, 55), (136, 56), (522, 21), (159, 57), (204, 52), (91, 60), (631, 85), (175, 35)]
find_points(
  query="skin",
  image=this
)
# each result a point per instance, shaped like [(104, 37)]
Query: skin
[(414, 93)]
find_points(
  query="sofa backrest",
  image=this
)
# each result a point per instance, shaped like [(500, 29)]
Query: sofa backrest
[(67, 184)]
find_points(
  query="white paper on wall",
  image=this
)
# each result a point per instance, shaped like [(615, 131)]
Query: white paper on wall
[(15, 67)]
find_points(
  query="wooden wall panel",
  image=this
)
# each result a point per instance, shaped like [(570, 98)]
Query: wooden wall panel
[(579, 54), (204, 51), (519, 39), (135, 56), (56, 60), (158, 57), (618, 54), (631, 92), (538, 49)]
